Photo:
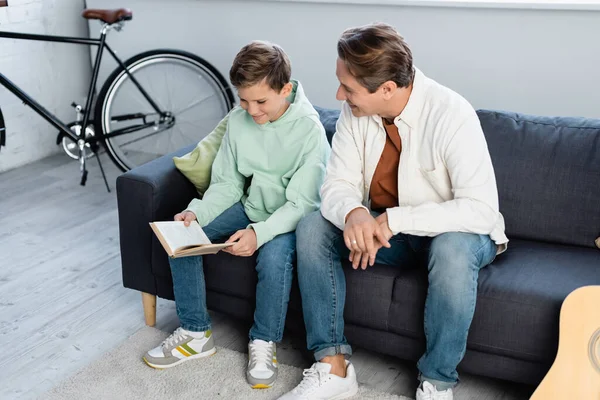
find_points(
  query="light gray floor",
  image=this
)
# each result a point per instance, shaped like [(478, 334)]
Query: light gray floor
[(62, 303)]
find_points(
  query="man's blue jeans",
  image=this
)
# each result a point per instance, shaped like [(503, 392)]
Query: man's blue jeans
[(274, 267), (453, 261)]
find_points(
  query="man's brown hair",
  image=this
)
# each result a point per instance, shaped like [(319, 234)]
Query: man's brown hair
[(375, 54), (261, 60)]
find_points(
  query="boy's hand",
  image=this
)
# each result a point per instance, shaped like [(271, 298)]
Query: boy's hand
[(245, 244), (186, 217)]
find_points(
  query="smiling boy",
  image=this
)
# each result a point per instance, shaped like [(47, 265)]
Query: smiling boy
[(275, 146)]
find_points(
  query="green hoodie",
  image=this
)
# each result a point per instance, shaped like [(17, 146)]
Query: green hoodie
[(284, 161)]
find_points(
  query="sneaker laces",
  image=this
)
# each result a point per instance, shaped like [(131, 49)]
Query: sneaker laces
[(175, 337), (312, 379), (260, 352)]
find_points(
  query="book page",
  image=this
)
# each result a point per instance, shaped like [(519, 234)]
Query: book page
[(177, 235)]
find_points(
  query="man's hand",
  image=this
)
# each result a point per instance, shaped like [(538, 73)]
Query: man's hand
[(245, 243), (186, 217), (358, 258), (361, 233), (382, 220)]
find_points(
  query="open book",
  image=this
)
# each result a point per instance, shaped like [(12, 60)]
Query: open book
[(183, 241)]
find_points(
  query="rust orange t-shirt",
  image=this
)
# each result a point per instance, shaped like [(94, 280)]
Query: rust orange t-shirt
[(384, 186)]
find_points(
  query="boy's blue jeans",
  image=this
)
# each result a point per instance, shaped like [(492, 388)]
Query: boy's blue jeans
[(274, 267), (453, 261)]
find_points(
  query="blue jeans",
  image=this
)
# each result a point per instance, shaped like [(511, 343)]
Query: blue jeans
[(274, 267), (453, 261)]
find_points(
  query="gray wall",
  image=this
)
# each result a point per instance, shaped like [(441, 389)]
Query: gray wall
[(54, 74), (533, 61)]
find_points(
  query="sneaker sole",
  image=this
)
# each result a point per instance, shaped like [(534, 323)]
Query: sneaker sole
[(195, 356), (350, 393), (262, 386), (265, 384)]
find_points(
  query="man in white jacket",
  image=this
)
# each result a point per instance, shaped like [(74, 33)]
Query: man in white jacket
[(410, 178)]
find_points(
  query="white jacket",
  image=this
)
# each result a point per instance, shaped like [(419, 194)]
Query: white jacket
[(446, 180)]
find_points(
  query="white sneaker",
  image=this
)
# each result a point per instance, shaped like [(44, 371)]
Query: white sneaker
[(262, 364), (179, 347), (319, 384), (429, 392)]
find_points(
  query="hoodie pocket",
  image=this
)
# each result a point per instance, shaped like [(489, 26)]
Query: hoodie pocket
[(265, 196)]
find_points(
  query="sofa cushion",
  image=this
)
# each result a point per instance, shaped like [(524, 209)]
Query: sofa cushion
[(518, 302), (220, 268), (231, 275), (197, 164), (369, 295), (548, 175)]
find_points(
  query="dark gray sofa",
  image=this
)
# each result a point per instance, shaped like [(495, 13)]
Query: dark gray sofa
[(548, 174)]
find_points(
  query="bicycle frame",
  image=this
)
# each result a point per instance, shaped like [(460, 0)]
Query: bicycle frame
[(51, 118)]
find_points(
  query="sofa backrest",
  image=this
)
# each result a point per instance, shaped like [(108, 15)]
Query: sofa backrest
[(328, 118), (548, 175), (547, 170)]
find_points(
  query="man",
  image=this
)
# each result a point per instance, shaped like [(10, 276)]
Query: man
[(410, 177)]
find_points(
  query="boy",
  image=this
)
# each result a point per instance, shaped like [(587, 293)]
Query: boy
[(276, 142)]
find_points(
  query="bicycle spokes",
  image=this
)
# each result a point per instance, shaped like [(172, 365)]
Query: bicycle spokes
[(189, 93)]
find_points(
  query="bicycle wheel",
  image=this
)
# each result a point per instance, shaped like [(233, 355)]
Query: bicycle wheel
[(192, 95)]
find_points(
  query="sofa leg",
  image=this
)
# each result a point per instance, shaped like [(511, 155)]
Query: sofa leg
[(149, 302)]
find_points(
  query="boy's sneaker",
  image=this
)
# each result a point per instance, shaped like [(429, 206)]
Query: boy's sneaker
[(319, 384), (262, 364), (181, 346), (428, 392)]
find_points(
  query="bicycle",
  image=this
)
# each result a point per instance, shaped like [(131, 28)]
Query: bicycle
[(148, 94)]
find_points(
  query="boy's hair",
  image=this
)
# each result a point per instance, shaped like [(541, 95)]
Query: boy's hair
[(376, 53), (258, 61)]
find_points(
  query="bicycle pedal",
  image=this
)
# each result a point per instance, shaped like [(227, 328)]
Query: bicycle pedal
[(84, 175)]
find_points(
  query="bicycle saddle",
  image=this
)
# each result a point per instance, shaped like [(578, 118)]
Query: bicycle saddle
[(108, 16)]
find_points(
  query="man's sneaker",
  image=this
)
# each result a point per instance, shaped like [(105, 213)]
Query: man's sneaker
[(181, 346), (428, 392), (319, 384), (262, 364)]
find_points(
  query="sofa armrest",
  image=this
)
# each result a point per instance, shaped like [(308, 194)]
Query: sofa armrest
[(152, 192)]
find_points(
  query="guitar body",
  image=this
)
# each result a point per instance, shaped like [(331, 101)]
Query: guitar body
[(575, 373)]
